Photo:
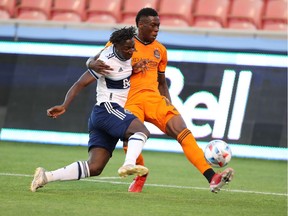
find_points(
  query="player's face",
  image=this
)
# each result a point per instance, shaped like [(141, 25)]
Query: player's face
[(148, 28), (125, 50)]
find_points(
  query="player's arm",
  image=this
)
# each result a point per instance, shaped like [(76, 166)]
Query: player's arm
[(91, 59), (98, 65), (74, 90), (162, 86)]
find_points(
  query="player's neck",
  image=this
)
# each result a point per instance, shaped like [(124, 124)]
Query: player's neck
[(118, 54), (139, 38)]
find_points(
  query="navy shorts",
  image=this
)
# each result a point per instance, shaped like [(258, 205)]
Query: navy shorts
[(107, 124)]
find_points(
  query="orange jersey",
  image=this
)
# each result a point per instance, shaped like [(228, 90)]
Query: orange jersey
[(156, 54)]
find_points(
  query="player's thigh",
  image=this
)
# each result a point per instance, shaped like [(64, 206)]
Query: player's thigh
[(111, 118), (175, 126), (118, 127), (161, 112), (101, 139)]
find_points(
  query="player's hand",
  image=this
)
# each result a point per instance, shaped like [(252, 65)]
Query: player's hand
[(56, 111), (141, 66), (100, 67)]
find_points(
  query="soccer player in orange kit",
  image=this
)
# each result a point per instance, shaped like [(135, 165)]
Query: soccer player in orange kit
[(150, 101)]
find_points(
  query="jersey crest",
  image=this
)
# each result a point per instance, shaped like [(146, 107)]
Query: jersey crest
[(157, 53)]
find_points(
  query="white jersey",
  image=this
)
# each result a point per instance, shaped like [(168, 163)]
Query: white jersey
[(115, 86)]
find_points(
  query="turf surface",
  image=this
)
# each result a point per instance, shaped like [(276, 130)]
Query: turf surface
[(174, 186)]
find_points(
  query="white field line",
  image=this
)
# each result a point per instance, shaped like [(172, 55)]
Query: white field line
[(108, 180)]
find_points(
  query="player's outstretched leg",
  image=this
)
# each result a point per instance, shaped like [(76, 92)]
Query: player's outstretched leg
[(138, 170), (138, 182), (221, 179), (39, 180)]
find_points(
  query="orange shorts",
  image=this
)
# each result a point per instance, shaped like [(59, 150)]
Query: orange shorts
[(152, 107)]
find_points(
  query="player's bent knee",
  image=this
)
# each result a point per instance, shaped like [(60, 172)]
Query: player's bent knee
[(145, 131), (95, 171), (139, 136)]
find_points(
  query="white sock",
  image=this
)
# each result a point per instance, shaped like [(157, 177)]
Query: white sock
[(135, 146), (74, 171)]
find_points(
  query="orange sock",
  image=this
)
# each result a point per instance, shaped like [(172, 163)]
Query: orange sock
[(139, 160), (192, 151)]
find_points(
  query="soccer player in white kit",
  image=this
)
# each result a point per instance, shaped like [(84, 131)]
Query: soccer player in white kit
[(108, 121)]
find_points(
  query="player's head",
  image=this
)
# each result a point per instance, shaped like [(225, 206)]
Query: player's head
[(123, 40), (147, 22)]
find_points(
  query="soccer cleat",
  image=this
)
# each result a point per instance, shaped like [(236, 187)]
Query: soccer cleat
[(221, 179), (138, 170), (138, 183), (39, 180)]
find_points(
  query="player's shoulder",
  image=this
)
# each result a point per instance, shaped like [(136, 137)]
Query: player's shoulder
[(107, 53), (108, 49), (160, 45)]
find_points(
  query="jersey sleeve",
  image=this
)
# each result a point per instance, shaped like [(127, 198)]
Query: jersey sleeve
[(94, 74), (163, 63), (102, 57)]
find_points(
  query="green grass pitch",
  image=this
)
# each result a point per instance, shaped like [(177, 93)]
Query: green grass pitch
[(174, 186)]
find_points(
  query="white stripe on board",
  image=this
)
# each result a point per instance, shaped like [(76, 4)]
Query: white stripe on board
[(177, 55)]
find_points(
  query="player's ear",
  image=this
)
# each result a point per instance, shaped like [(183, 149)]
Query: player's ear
[(140, 24)]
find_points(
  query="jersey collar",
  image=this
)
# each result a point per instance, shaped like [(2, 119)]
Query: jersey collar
[(143, 42), (117, 56)]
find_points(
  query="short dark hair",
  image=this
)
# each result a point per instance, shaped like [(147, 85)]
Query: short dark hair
[(145, 12), (123, 34)]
